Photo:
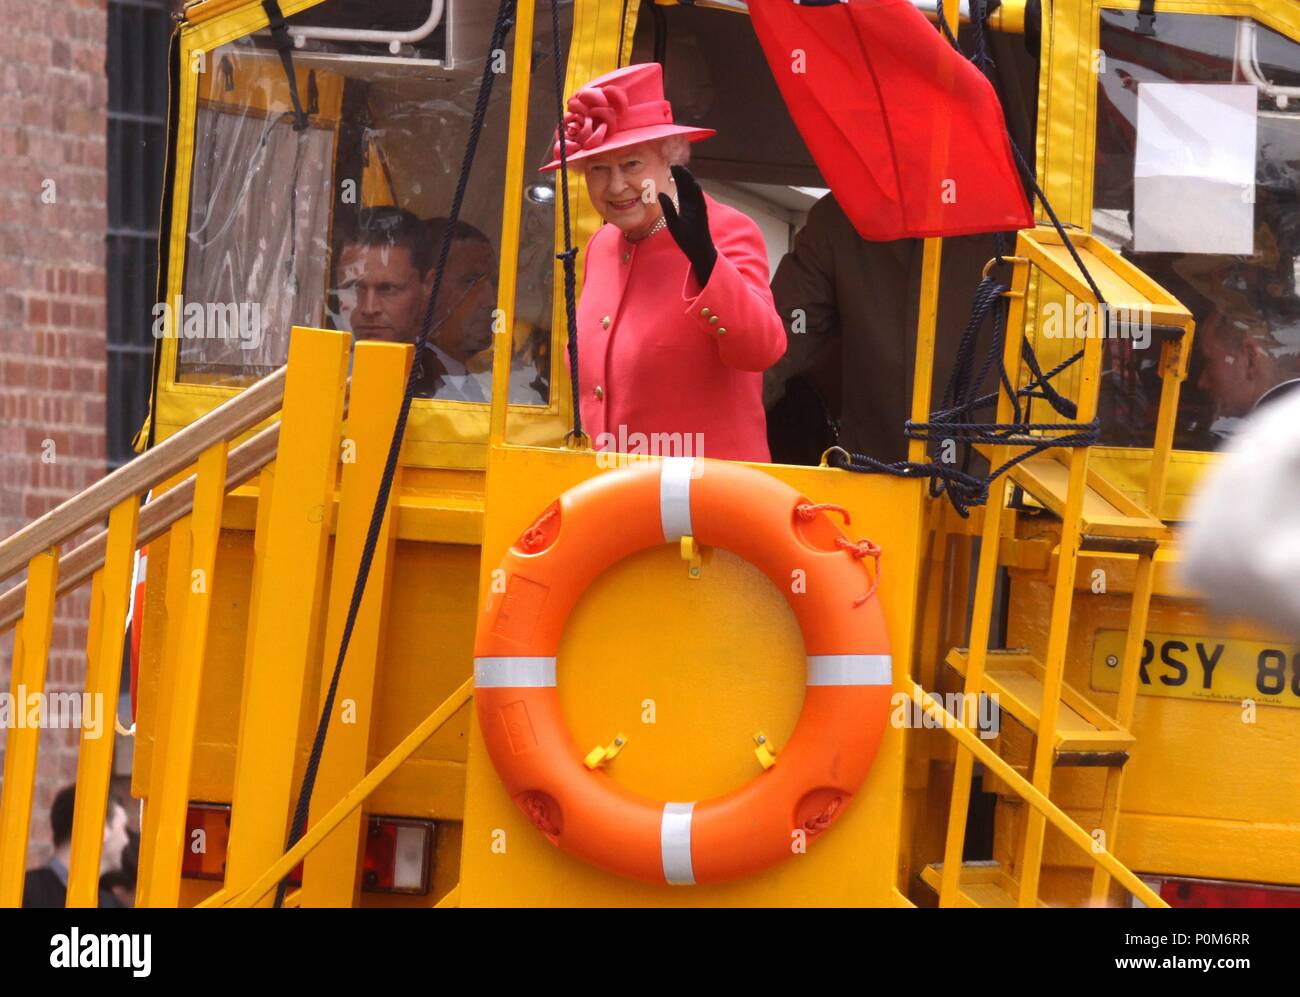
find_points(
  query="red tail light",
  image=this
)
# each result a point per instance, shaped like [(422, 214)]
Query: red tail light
[(207, 833), (1223, 893), (397, 856)]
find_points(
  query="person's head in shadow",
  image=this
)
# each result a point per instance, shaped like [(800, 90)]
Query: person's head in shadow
[(1239, 365), (467, 297), (47, 885)]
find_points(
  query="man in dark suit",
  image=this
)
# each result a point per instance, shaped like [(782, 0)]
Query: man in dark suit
[(850, 308), (47, 886)]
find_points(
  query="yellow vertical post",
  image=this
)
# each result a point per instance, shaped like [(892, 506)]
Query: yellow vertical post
[(1124, 709), (520, 78), (22, 746), (928, 316), (1173, 369), (379, 374), (290, 593), (169, 780), (982, 612), (261, 538), (927, 320), (1058, 633), (175, 594), (103, 681)]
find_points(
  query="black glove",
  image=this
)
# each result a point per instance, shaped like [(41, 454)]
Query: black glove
[(690, 225)]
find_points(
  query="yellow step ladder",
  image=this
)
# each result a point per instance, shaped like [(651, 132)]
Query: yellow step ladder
[(1095, 515)]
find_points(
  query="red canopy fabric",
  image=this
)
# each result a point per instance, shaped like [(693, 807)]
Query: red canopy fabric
[(907, 132)]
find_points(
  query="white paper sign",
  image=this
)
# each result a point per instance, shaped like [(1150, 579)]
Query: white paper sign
[(1194, 168)]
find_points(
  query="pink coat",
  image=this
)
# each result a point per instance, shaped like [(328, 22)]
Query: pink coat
[(650, 360)]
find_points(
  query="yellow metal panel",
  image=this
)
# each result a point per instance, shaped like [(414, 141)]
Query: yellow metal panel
[(710, 661), (103, 682), (289, 596), (426, 653), (379, 375)]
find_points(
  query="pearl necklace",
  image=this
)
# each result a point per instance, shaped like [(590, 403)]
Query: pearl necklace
[(653, 229), (657, 226)]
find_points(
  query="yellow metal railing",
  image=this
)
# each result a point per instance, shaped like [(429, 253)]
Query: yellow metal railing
[(195, 463), (303, 498), (191, 474), (1026, 790)]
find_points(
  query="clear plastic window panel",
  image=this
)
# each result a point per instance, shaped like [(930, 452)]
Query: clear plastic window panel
[(334, 217), (1198, 182)]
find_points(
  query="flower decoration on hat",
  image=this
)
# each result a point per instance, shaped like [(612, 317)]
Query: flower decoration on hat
[(592, 118)]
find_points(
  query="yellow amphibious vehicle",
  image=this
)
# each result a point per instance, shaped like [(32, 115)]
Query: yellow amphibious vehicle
[(1065, 724)]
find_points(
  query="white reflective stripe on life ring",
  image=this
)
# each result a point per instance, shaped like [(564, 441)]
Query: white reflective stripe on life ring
[(514, 673), (675, 844), (850, 669), (675, 497)]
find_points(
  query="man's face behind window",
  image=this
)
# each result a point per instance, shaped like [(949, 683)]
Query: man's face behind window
[(467, 299), (380, 292)]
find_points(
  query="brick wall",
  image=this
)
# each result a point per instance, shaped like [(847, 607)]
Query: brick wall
[(53, 92)]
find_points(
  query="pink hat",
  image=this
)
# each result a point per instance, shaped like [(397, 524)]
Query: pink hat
[(622, 108)]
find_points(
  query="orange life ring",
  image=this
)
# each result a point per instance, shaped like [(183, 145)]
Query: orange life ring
[(759, 518)]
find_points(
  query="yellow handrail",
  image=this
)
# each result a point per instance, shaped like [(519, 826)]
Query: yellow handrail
[(147, 471), (156, 517), (1026, 791)]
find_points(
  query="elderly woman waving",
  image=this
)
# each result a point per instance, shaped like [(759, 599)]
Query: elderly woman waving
[(676, 323)]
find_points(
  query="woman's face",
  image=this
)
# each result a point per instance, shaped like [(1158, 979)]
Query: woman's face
[(624, 186)]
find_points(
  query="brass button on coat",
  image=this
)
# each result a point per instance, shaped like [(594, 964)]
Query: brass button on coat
[(627, 256), (600, 392), (714, 320), (721, 331), (705, 312), (604, 323)]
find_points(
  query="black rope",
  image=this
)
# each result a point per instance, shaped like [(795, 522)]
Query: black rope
[(504, 22), (570, 254), (985, 62), (955, 421)]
